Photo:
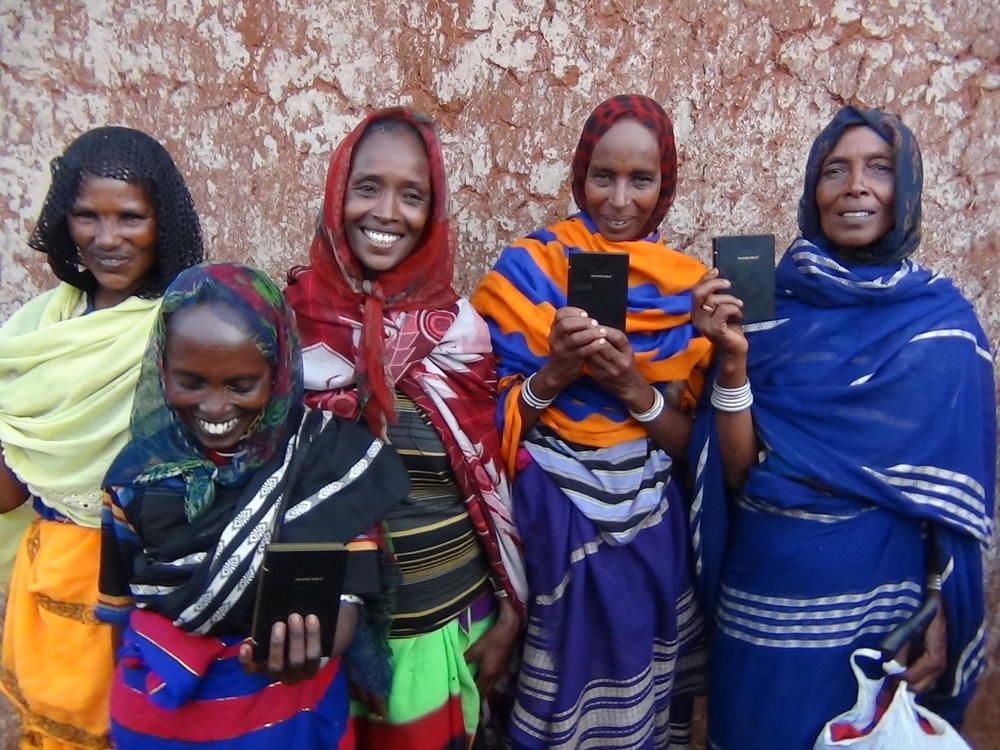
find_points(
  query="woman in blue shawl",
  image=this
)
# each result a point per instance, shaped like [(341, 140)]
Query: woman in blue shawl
[(845, 462)]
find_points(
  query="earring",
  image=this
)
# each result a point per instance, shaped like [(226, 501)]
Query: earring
[(252, 427)]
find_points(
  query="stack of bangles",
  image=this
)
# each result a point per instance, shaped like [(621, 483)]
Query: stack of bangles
[(540, 404), (732, 399), (653, 411), (531, 399)]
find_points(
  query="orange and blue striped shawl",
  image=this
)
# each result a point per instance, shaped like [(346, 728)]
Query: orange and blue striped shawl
[(519, 299)]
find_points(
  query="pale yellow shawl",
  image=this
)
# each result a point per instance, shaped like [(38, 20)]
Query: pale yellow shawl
[(67, 381)]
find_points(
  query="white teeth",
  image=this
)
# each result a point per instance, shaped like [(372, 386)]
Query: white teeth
[(856, 214), (381, 238), (217, 428), (618, 222)]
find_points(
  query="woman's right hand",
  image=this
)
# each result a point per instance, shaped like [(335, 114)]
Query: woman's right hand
[(574, 336), (304, 651), (717, 315)]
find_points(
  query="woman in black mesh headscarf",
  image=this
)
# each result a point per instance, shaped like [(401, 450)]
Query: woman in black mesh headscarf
[(117, 225), (135, 158)]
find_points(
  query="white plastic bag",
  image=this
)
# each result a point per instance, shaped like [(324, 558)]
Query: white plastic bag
[(898, 728)]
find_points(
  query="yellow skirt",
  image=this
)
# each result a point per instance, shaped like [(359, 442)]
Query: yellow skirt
[(12, 527), (57, 662)]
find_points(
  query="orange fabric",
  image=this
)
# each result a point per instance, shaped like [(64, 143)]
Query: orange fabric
[(57, 661), (510, 438), (527, 312)]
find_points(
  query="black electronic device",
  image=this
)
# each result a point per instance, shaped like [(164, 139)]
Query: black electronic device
[(747, 262), (598, 284), (302, 578)]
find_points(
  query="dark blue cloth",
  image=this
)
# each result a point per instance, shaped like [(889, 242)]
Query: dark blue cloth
[(874, 406)]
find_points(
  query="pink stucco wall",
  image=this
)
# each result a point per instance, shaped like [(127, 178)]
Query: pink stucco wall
[(251, 97)]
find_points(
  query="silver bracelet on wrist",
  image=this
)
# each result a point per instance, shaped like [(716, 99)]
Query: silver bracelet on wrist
[(732, 399), (531, 399), (351, 599), (934, 582), (653, 411)]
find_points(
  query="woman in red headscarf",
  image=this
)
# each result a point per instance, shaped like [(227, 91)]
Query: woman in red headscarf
[(386, 340), (593, 419)]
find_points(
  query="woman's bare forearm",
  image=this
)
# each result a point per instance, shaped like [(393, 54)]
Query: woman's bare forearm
[(670, 430), (737, 440), (546, 384), (12, 492)]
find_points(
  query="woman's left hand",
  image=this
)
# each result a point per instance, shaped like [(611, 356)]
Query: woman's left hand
[(492, 651), (717, 315), (303, 638), (926, 668), (615, 369)]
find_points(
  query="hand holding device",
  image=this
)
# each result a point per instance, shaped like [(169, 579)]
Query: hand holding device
[(747, 262), (598, 284)]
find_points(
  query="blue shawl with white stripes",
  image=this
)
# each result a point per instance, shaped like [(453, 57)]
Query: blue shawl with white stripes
[(874, 384)]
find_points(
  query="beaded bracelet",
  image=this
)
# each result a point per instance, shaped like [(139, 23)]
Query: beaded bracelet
[(653, 411), (934, 582), (732, 399), (531, 399)]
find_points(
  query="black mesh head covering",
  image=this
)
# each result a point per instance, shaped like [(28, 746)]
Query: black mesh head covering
[(133, 157)]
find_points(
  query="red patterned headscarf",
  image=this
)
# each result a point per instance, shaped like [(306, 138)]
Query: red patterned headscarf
[(647, 113), (334, 282)]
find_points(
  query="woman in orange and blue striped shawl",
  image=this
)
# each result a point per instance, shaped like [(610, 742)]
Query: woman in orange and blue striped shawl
[(592, 419)]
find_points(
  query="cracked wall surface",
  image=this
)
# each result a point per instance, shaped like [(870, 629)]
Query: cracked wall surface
[(251, 98)]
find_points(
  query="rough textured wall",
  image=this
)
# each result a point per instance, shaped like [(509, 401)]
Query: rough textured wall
[(251, 97)]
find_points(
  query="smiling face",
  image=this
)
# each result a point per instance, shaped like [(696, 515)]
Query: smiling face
[(855, 191), (113, 223), (214, 376), (622, 186), (388, 198)]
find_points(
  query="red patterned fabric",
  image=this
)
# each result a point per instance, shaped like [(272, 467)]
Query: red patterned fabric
[(649, 114), (412, 333)]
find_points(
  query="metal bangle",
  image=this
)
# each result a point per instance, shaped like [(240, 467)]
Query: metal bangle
[(531, 399), (653, 411), (732, 399)]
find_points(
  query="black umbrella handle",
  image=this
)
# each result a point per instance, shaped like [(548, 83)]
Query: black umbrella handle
[(896, 639)]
